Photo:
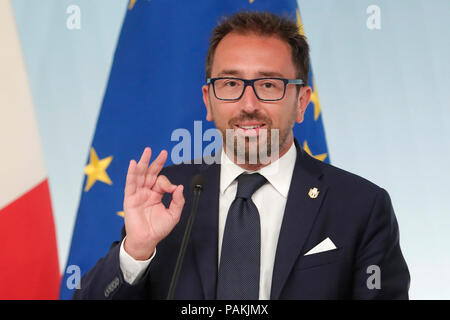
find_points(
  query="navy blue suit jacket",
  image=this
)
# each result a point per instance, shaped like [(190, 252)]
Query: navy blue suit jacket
[(354, 213)]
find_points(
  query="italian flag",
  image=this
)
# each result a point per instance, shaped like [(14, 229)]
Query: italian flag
[(28, 251)]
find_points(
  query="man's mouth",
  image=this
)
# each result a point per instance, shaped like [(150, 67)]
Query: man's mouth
[(250, 129)]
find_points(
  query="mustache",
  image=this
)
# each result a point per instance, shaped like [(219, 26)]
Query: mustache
[(244, 116)]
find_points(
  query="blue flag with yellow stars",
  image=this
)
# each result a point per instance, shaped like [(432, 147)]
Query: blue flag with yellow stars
[(154, 88)]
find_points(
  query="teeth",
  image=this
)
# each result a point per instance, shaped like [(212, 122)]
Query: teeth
[(249, 127)]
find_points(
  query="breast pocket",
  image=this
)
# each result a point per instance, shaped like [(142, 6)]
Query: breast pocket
[(319, 259)]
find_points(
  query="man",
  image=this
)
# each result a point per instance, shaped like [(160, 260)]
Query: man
[(291, 227)]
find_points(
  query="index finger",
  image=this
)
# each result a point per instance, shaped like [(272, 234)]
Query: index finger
[(155, 168)]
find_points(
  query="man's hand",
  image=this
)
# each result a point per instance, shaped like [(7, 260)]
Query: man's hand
[(147, 220)]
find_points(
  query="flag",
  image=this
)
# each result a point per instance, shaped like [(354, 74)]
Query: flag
[(154, 88), (28, 251)]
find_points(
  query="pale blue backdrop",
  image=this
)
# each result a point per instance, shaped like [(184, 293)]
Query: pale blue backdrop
[(384, 95)]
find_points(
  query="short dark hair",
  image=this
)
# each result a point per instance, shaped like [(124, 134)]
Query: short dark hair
[(266, 24)]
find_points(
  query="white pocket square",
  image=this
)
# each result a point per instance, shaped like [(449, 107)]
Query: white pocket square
[(325, 245)]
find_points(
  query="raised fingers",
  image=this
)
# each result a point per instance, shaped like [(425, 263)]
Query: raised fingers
[(140, 174), (142, 166), (155, 168)]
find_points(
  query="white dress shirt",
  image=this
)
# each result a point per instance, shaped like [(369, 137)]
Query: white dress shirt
[(270, 200)]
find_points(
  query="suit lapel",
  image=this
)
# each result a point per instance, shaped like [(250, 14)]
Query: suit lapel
[(205, 230), (300, 212)]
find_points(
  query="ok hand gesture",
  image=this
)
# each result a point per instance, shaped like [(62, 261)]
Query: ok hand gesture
[(147, 220)]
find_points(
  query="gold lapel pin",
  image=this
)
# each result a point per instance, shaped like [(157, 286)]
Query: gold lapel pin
[(313, 193)]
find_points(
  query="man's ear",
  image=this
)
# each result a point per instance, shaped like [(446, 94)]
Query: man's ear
[(303, 100), (205, 90)]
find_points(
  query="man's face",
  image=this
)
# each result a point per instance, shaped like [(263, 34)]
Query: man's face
[(251, 56)]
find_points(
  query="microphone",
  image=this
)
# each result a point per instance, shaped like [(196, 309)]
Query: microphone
[(198, 183)]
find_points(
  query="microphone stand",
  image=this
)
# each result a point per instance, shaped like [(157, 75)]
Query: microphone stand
[(187, 232)]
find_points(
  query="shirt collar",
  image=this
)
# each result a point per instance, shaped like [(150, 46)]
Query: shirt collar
[(278, 173)]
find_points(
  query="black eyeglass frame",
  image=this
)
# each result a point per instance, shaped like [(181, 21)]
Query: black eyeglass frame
[(251, 82)]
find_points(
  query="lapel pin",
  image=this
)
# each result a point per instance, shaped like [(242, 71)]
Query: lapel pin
[(313, 193)]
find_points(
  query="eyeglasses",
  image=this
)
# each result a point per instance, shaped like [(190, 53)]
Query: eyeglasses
[(266, 89)]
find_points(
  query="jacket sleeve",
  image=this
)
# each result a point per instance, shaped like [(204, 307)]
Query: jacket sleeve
[(381, 271), (105, 280)]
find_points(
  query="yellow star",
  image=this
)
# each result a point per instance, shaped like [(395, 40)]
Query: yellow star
[(131, 4), (315, 100), (121, 214), (320, 157), (251, 1), (300, 24), (96, 170)]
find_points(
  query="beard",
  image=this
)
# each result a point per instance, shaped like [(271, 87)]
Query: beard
[(255, 147), (247, 149)]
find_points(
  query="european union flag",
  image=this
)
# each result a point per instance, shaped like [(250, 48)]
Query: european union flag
[(154, 88)]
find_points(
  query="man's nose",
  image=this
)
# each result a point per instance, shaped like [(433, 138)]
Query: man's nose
[(250, 101)]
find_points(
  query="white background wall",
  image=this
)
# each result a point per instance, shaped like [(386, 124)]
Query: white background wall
[(384, 96)]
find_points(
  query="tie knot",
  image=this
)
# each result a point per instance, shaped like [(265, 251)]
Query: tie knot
[(248, 184)]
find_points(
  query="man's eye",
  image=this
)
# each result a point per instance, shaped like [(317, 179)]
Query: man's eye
[(268, 85), (231, 83)]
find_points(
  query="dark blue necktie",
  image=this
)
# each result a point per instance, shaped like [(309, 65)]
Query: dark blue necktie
[(238, 277)]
